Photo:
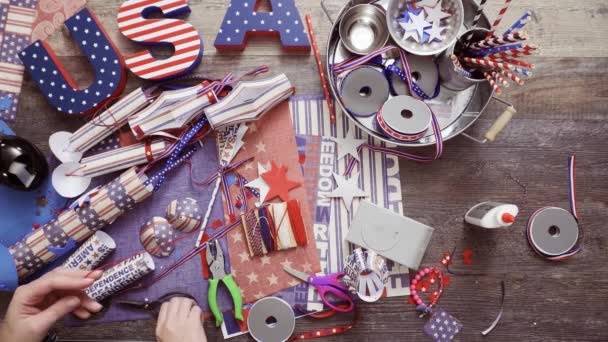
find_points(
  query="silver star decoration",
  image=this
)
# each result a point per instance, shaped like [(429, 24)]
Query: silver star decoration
[(260, 184), (417, 23), (349, 145), (347, 189), (435, 32), (435, 14)]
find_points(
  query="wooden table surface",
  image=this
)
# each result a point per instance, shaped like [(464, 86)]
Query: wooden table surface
[(560, 111)]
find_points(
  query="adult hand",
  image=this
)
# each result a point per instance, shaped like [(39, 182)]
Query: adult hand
[(35, 307), (179, 320)]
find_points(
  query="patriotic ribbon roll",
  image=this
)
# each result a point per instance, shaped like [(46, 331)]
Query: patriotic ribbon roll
[(70, 146), (520, 23), (392, 123), (120, 276), (552, 232), (74, 225), (92, 252)]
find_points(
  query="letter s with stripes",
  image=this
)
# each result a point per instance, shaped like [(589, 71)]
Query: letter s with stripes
[(133, 23)]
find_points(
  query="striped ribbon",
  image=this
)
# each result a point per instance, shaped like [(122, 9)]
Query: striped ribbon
[(321, 333), (222, 172), (400, 154), (351, 64), (573, 209), (520, 23)]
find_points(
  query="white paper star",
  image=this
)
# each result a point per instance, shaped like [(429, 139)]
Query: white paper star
[(347, 189), (260, 184), (435, 32), (417, 23), (349, 145), (435, 13), (412, 34)]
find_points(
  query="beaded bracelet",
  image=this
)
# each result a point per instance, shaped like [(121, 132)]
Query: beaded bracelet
[(420, 306)]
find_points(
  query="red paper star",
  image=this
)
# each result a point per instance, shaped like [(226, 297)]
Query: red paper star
[(278, 182), (466, 256), (433, 296), (446, 259)]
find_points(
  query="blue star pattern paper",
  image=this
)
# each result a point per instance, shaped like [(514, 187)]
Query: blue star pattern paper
[(242, 20), (54, 82), (442, 326)]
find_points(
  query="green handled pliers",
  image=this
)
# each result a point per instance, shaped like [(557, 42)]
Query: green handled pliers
[(215, 260)]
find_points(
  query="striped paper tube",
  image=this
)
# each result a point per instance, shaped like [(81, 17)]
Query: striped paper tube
[(527, 50), (492, 83), (494, 64), (500, 79), (497, 49), (520, 23), (92, 252), (512, 77), (499, 41), (455, 61), (501, 13), (121, 158), (516, 62), (107, 122), (476, 19)]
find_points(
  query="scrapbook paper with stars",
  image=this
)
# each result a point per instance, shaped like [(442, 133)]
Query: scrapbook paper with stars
[(270, 139), (16, 20)]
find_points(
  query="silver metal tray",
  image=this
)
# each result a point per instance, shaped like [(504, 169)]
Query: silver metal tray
[(455, 111)]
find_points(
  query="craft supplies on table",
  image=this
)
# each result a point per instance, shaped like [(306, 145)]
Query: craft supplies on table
[(218, 274), (492, 215), (329, 287), (92, 252), (393, 236), (271, 319), (120, 276), (363, 29), (156, 235), (153, 306)]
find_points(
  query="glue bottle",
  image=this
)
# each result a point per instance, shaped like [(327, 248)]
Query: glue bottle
[(492, 215)]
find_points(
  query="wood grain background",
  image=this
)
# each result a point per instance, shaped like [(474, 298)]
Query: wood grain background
[(560, 111)]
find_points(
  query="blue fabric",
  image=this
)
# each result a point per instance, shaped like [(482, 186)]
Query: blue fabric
[(8, 271)]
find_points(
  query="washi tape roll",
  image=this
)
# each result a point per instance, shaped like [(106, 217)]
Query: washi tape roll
[(184, 214), (404, 118), (364, 90), (157, 236), (366, 273), (424, 72), (120, 276), (271, 319), (553, 231), (92, 252)]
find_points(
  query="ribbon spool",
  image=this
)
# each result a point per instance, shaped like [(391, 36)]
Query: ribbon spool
[(404, 118), (552, 231), (424, 72), (363, 90), (271, 319)]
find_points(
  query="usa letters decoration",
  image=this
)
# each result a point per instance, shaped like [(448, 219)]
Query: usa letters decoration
[(56, 84), (242, 20), (180, 34)]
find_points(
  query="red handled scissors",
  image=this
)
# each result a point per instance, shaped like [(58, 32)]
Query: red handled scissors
[(327, 285)]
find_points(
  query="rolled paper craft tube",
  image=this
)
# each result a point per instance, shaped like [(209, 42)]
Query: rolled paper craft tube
[(92, 252), (120, 159), (184, 215), (39, 248), (156, 236), (120, 276)]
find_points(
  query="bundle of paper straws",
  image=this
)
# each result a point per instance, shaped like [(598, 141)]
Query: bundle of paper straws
[(498, 57)]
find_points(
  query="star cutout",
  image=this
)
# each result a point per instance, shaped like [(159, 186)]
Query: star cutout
[(347, 189), (418, 24), (244, 256), (260, 184), (406, 14), (273, 280), (307, 267), (349, 145), (237, 237), (265, 260), (411, 34), (435, 14), (253, 277), (261, 147), (286, 263), (278, 182), (435, 32)]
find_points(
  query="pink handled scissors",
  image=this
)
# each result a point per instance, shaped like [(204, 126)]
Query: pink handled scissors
[(327, 285)]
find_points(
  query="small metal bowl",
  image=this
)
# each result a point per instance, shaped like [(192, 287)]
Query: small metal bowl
[(363, 29), (454, 23)]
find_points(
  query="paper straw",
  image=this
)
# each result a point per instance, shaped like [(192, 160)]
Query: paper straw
[(121, 158), (476, 19), (315, 47), (492, 83), (516, 62), (501, 13), (499, 41), (527, 50), (120, 276), (520, 23), (494, 64), (512, 77), (493, 50), (92, 252), (500, 79), (107, 122)]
